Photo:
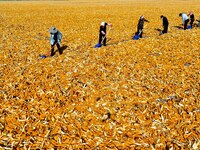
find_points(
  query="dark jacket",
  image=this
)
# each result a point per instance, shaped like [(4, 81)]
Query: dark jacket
[(165, 21), (141, 23), (103, 28), (192, 17)]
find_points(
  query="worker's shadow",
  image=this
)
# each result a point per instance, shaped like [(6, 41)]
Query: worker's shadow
[(157, 29), (120, 42), (178, 27), (63, 48)]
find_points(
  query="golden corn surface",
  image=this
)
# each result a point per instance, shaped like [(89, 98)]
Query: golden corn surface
[(130, 94)]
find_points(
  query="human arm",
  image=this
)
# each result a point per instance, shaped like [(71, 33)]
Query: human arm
[(51, 39), (109, 24), (59, 36), (102, 32), (146, 20)]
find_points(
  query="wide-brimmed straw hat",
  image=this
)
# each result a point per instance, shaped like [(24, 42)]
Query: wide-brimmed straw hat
[(53, 30)]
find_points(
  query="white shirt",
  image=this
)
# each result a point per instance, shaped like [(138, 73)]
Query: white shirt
[(184, 17)]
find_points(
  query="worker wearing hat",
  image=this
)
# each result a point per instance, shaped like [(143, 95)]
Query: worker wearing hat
[(185, 19), (55, 39), (140, 26), (102, 32), (165, 24)]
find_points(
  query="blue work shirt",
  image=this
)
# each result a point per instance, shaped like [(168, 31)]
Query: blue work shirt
[(52, 38)]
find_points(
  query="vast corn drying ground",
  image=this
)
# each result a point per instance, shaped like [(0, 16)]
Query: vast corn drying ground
[(130, 94)]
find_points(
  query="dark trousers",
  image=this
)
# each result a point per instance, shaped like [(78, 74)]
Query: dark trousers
[(139, 32), (102, 37), (52, 49), (165, 29), (191, 22), (185, 24)]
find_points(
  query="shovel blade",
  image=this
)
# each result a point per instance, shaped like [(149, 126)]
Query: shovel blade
[(43, 56), (97, 45), (136, 37)]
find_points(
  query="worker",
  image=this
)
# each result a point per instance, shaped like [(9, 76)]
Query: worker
[(140, 26), (102, 32), (165, 24), (55, 39), (185, 19)]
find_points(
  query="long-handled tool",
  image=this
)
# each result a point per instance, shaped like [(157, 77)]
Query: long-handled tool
[(100, 44), (48, 53)]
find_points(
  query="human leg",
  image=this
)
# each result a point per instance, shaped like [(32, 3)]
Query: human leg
[(191, 22), (59, 48), (100, 38), (185, 24), (141, 32), (165, 29), (104, 41), (52, 50)]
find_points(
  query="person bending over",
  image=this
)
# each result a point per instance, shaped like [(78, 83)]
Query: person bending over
[(165, 24), (185, 19), (55, 39)]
